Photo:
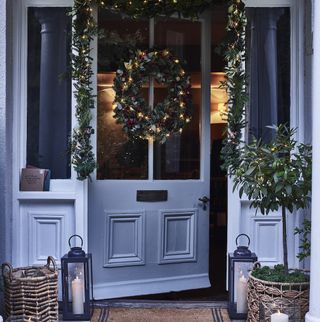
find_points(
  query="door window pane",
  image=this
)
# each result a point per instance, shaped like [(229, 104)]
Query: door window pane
[(268, 66), (118, 157), (49, 90), (179, 157)]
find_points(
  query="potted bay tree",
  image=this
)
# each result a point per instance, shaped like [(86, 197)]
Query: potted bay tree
[(276, 176)]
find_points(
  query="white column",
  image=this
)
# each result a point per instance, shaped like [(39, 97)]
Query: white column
[(314, 309)]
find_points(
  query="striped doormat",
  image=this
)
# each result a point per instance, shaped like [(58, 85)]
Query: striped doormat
[(116, 314)]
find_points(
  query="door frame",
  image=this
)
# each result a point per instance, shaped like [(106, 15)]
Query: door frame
[(240, 219), (68, 194)]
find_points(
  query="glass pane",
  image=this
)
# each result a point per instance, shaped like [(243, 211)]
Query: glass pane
[(76, 287), (49, 90), (241, 270), (268, 66), (179, 157), (117, 157)]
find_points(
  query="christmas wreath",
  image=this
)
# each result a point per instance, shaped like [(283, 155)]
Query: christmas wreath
[(133, 112)]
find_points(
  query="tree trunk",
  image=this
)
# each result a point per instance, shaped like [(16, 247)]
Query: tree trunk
[(284, 241)]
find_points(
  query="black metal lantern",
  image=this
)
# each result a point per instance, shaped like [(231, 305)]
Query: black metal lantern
[(76, 269), (240, 263)]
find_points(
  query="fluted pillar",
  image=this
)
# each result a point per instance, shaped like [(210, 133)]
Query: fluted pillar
[(54, 106)]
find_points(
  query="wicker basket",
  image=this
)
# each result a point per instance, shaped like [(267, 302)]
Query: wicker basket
[(31, 293), (266, 298)]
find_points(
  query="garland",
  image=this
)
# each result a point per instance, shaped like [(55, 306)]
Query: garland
[(236, 86), (85, 28), (152, 8), (132, 111)]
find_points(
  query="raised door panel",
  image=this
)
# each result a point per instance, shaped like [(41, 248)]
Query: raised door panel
[(45, 228), (266, 239), (178, 242), (124, 239)]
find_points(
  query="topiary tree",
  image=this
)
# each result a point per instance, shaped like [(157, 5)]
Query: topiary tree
[(276, 175)]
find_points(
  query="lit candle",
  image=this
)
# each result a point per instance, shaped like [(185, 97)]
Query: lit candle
[(77, 296), (279, 317), (242, 292)]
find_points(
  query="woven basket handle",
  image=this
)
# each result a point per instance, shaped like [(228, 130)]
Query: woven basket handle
[(51, 260), (9, 268)]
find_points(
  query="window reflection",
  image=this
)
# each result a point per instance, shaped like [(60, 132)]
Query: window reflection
[(268, 66), (49, 90), (179, 156), (118, 157)]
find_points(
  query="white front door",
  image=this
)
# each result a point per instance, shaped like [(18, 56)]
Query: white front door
[(148, 231)]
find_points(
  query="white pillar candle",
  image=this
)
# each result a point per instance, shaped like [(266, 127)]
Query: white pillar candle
[(279, 317), (77, 296), (242, 292), (1, 319)]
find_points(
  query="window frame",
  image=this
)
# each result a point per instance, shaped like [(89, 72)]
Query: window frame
[(236, 206), (20, 32), (205, 20)]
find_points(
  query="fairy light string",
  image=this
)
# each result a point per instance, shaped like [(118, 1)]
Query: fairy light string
[(131, 110)]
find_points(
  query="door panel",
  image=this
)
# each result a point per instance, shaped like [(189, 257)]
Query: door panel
[(152, 247), (124, 239)]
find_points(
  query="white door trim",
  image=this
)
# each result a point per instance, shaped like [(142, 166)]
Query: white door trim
[(70, 190)]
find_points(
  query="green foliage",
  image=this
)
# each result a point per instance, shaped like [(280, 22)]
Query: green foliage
[(305, 246), (235, 84), (277, 274), (152, 8), (130, 108), (84, 28), (277, 174)]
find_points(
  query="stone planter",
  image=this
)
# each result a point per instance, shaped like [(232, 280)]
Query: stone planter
[(266, 298)]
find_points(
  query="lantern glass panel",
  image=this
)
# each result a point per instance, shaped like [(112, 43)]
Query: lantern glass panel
[(76, 287), (241, 270)]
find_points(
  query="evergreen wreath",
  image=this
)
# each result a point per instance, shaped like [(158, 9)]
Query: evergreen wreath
[(138, 120)]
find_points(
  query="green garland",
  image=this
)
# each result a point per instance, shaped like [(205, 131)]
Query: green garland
[(236, 85), (131, 109), (85, 28), (152, 8)]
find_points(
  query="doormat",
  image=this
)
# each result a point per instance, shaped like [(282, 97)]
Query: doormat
[(115, 314)]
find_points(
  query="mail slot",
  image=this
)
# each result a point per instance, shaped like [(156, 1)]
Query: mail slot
[(152, 195)]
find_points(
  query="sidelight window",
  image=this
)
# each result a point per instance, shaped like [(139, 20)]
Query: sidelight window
[(268, 67), (49, 90)]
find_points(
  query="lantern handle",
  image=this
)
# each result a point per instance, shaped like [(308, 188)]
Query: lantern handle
[(53, 262), (75, 236), (256, 265), (9, 268), (245, 236)]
